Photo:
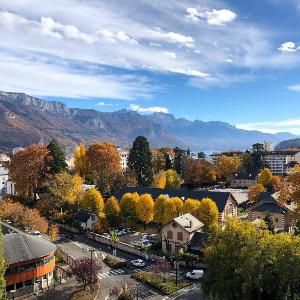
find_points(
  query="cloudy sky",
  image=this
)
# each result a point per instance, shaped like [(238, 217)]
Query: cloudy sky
[(201, 59)]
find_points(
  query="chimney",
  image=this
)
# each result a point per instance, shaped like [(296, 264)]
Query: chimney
[(191, 224)]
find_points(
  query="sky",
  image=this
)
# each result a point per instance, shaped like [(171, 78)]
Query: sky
[(232, 61)]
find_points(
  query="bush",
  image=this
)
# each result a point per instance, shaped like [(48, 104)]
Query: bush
[(165, 285), (115, 262)]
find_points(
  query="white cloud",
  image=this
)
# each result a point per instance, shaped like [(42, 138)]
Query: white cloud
[(292, 126), (213, 17), (288, 47), (170, 54), (154, 109), (105, 104)]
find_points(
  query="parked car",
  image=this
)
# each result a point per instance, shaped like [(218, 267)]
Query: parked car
[(195, 274), (138, 263), (36, 233), (121, 232), (127, 230), (146, 244), (106, 235)]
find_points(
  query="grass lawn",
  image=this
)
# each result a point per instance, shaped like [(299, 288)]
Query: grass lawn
[(85, 294), (163, 284)]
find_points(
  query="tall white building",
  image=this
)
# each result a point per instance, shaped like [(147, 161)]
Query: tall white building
[(124, 158), (3, 179), (277, 161)]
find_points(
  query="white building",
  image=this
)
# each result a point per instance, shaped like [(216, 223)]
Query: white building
[(124, 158), (10, 188), (3, 179), (277, 161), (268, 146), (17, 149), (4, 158)]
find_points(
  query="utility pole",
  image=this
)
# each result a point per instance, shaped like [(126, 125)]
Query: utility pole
[(91, 267)]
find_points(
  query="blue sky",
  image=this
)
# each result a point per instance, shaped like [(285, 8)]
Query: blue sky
[(234, 61)]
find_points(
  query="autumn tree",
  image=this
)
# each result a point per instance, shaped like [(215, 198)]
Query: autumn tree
[(255, 192), (144, 208), (207, 212), (167, 180), (140, 161), (265, 177), (28, 169), (128, 206), (66, 187), (81, 162), (101, 225), (173, 209), (112, 211), (227, 165), (190, 206), (159, 208), (32, 220), (53, 232), (199, 173), (158, 161), (104, 158), (274, 184), (159, 180), (93, 200), (58, 163)]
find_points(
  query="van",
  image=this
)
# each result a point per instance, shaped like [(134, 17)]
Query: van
[(195, 274)]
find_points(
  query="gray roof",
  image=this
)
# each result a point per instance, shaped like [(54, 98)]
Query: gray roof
[(21, 247), (188, 222), (83, 215)]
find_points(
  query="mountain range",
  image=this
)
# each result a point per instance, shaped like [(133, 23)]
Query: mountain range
[(25, 119)]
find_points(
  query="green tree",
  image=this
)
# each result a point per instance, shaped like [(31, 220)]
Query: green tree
[(140, 161), (179, 159), (2, 269), (269, 222), (58, 163)]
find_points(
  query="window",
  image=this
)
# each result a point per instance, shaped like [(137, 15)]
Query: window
[(169, 247), (179, 236), (170, 235), (276, 220), (93, 217)]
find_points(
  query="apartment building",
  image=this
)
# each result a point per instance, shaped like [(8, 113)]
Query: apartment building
[(3, 179), (124, 158), (278, 161)]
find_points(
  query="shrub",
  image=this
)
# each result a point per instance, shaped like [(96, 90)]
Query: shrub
[(115, 262)]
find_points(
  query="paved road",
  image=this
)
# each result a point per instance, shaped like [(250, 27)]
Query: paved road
[(191, 294)]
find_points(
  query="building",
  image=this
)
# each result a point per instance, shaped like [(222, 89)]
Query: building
[(17, 150), (213, 158), (178, 233), (4, 159), (262, 147), (280, 214), (278, 161), (10, 188), (242, 180), (124, 158), (225, 201), (86, 218), (3, 179), (198, 243), (30, 263)]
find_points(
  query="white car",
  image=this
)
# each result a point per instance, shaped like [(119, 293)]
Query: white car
[(138, 263), (36, 233), (106, 235), (195, 274), (121, 232), (146, 243)]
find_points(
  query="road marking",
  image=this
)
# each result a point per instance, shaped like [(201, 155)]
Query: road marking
[(110, 273)]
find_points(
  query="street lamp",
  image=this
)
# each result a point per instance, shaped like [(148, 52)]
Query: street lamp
[(91, 270)]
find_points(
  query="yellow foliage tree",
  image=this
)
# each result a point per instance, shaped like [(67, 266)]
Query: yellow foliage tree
[(190, 206), (160, 180), (159, 207), (144, 208), (173, 209), (265, 177), (128, 206), (255, 191), (93, 200), (275, 183), (112, 211), (81, 163), (102, 225), (227, 165), (67, 187), (207, 212), (53, 232)]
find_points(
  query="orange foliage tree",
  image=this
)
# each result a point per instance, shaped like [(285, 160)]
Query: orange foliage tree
[(28, 169)]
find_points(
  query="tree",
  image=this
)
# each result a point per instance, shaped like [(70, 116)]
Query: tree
[(128, 206), (190, 206), (93, 200), (173, 209), (199, 173), (275, 183), (173, 180), (252, 162), (269, 222), (66, 187), (255, 191), (112, 211), (140, 161), (179, 160), (227, 165), (2, 269), (265, 177), (160, 180), (58, 163), (101, 225), (53, 232), (159, 207), (81, 162), (28, 169), (158, 161), (85, 270), (32, 220), (162, 267), (207, 212), (104, 158), (144, 208)]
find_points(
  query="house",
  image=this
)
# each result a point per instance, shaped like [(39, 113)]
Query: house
[(280, 214), (242, 180), (225, 201), (198, 243), (86, 218), (178, 233), (30, 263)]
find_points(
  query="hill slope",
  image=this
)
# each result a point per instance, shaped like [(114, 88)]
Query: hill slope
[(293, 143)]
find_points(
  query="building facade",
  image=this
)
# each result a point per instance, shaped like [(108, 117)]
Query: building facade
[(3, 179), (242, 180)]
